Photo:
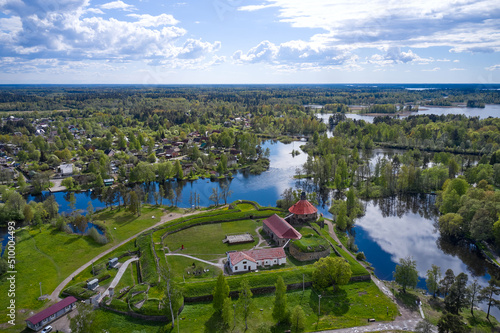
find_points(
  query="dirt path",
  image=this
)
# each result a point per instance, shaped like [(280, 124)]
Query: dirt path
[(194, 258), (165, 218)]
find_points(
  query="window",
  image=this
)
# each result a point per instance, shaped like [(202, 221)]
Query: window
[(235, 268), (245, 267), (244, 262)]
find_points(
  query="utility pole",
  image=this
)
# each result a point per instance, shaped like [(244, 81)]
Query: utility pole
[(40, 289), (303, 288), (170, 302), (319, 305)]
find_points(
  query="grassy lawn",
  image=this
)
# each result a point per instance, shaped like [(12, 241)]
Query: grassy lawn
[(107, 321), (49, 256), (211, 235), (244, 207), (350, 306), (182, 265), (121, 224)]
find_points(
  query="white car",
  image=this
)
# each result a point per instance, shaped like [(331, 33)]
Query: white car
[(47, 329)]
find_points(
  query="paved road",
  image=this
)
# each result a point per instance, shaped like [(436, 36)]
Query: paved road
[(118, 276), (165, 218), (194, 258)]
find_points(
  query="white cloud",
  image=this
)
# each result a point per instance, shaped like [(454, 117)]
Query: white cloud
[(118, 4), (493, 68), (457, 69), (296, 55), (460, 25), (252, 8), (147, 20), (435, 69), (65, 32), (95, 11)]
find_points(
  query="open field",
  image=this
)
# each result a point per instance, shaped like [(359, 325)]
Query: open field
[(48, 255), (206, 240)]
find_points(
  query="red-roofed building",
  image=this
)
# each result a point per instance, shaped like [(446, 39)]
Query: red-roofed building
[(245, 261), (303, 211), (51, 313), (280, 230)]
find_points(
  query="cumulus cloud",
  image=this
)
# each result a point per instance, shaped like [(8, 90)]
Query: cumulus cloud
[(118, 5), (462, 26), (64, 30), (295, 55), (457, 69), (435, 69)]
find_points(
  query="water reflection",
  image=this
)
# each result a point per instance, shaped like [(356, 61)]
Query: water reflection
[(397, 227)]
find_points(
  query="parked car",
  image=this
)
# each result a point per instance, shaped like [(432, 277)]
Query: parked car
[(47, 329)]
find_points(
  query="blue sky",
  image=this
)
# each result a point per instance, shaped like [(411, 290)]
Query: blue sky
[(235, 41)]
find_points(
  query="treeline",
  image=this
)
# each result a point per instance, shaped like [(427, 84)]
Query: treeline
[(452, 133), (126, 98)]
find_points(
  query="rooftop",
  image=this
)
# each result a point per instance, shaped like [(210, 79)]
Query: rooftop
[(281, 228), (51, 310), (302, 207), (254, 255)]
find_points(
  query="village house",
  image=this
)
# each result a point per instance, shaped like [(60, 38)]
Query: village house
[(280, 230), (66, 169), (246, 261), (51, 313)]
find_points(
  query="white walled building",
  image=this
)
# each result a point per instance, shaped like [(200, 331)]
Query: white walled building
[(246, 261)]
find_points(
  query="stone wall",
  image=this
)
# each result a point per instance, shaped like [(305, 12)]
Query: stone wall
[(307, 256)]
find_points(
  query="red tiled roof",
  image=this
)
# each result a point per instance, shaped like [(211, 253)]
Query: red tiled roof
[(51, 310), (254, 255), (236, 257), (281, 228), (302, 207)]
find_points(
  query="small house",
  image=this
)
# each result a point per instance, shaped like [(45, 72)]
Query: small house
[(108, 181), (51, 313), (247, 261), (66, 169), (112, 262), (93, 284)]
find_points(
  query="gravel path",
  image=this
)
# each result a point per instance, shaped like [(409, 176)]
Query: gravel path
[(118, 277), (165, 218)]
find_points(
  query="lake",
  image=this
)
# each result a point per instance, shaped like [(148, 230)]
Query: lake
[(490, 110)]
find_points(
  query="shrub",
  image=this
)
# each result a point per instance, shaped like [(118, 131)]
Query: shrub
[(360, 256), (97, 237)]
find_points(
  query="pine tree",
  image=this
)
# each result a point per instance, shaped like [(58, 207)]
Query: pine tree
[(298, 319)]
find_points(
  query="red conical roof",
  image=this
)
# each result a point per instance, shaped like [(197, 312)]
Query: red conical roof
[(302, 207)]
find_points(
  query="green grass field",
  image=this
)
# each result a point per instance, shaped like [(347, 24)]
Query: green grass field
[(206, 240), (49, 256), (182, 265), (344, 308)]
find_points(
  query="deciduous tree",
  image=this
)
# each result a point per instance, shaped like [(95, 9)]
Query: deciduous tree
[(331, 272), (280, 311), (406, 274)]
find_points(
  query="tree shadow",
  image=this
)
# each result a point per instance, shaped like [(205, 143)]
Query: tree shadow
[(332, 302), (214, 324)]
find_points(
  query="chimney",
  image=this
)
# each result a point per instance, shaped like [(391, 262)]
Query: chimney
[(303, 196)]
